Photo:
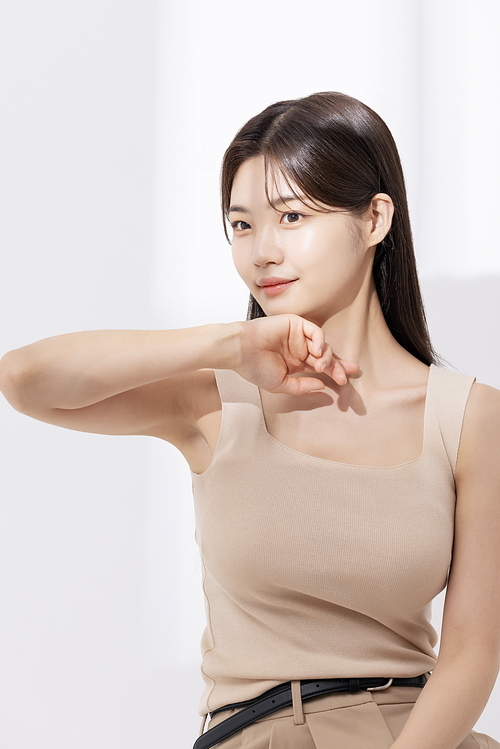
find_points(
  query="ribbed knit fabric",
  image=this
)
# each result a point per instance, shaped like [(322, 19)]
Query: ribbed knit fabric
[(314, 568)]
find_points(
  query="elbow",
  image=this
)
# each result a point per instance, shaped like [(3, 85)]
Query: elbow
[(13, 380)]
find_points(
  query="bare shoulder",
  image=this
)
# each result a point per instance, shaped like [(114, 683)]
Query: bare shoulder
[(482, 412), (480, 438)]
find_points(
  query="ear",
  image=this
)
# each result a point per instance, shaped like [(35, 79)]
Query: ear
[(378, 218)]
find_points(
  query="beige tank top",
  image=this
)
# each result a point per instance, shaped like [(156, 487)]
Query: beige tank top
[(314, 568)]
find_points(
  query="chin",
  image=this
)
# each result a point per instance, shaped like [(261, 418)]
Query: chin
[(277, 309), (284, 307)]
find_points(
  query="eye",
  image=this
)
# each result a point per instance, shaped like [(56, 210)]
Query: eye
[(293, 216), (240, 228)]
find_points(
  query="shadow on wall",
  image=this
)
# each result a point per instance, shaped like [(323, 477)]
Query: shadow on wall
[(464, 322)]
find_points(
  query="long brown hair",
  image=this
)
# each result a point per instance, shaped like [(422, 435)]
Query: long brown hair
[(340, 153)]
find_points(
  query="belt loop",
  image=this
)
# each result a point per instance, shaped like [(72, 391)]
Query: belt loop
[(203, 722), (354, 685), (298, 712)]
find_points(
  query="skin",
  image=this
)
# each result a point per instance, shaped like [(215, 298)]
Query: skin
[(331, 256), (335, 290), (332, 265), (326, 363)]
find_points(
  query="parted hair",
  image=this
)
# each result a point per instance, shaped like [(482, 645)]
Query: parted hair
[(340, 153)]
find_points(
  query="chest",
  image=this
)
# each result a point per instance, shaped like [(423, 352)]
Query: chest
[(277, 522), (385, 432)]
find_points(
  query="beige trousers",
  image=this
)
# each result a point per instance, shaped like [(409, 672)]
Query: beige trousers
[(363, 720)]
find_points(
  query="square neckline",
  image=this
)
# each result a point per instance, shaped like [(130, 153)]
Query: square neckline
[(355, 465)]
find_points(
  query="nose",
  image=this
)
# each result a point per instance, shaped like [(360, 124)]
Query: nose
[(266, 248)]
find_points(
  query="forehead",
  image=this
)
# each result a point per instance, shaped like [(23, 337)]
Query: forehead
[(249, 184)]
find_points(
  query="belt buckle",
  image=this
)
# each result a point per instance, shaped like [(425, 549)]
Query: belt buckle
[(384, 686)]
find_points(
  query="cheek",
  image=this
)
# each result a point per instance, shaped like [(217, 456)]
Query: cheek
[(328, 258), (241, 264), (313, 250)]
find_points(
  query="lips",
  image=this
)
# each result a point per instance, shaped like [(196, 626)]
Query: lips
[(274, 281), (274, 286)]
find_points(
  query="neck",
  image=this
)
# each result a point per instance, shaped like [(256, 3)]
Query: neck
[(359, 333)]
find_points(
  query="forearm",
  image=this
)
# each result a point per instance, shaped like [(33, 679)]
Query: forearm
[(450, 703), (77, 369)]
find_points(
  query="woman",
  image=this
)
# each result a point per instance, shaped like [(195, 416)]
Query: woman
[(341, 477)]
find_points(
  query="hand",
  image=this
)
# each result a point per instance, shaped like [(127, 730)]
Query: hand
[(275, 347)]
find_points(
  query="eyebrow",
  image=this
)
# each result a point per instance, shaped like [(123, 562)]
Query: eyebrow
[(275, 203)]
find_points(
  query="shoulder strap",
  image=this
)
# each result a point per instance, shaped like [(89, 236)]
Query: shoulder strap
[(450, 392), (241, 411), (235, 389)]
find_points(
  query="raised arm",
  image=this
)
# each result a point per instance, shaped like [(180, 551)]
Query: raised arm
[(160, 382), (116, 381)]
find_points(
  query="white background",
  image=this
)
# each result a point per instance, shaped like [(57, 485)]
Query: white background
[(113, 120)]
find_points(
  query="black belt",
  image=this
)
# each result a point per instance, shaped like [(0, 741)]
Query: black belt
[(281, 696)]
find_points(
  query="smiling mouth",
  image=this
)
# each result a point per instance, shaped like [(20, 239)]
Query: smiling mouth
[(277, 288)]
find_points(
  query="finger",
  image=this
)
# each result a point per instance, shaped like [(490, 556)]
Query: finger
[(325, 359), (297, 343), (336, 371), (300, 385), (315, 336), (349, 366), (315, 364), (305, 385)]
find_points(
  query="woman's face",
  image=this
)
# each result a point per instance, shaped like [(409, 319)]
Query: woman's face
[(322, 255)]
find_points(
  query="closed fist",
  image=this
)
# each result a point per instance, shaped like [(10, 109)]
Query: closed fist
[(273, 348)]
